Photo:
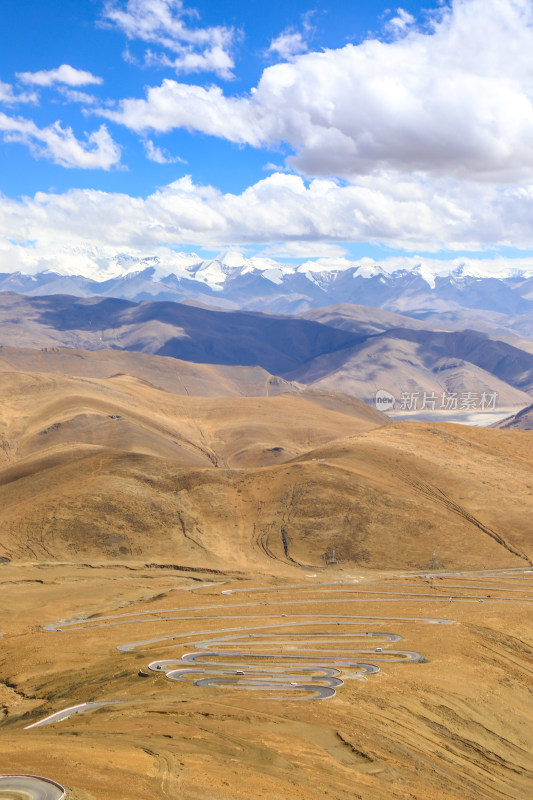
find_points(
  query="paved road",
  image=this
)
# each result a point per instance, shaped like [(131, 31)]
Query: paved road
[(290, 661), (317, 683), (29, 787), (68, 712), (303, 661)]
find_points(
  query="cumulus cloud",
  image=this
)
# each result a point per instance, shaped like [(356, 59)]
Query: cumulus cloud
[(450, 100), (175, 105), (167, 23), (410, 214), (9, 97), (60, 145), (65, 74)]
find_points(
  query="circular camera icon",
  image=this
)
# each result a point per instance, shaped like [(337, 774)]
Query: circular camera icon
[(384, 400)]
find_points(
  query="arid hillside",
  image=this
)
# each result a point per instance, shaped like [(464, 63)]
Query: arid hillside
[(52, 416), (171, 608), (114, 468), (162, 372), (205, 336), (402, 359), (350, 349)]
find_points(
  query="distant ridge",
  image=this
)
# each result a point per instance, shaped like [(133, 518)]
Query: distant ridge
[(233, 281), (523, 420), (352, 350)]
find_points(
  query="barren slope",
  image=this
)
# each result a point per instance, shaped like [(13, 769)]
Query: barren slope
[(405, 360), (358, 351), (166, 329), (53, 415), (116, 469), (171, 374)]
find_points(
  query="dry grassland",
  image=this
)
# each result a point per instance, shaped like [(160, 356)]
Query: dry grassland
[(118, 497), (459, 725)]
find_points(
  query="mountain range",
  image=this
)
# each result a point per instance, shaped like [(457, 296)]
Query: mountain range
[(354, 350), (234, 282)]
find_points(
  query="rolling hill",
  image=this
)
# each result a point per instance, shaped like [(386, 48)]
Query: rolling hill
[(523, 420), (116, 469), (353, 350)]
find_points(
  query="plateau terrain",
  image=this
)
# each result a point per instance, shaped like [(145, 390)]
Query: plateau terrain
[(115, 466), (349, 349), (431, 688), (266, 400), (220, 583)]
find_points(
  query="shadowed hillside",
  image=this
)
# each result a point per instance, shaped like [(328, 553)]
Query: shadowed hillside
[(523, 420), (194, 334), (358, 351)]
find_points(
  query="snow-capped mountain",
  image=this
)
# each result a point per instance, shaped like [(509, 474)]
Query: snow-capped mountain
[(232, 280)]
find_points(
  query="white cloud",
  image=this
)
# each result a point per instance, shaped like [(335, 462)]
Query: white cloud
[(214, 59), (174, 105), (60, 145), (288, 43), (64, 74), (409, 214), (75, 96), (292, 42), (167, 24), (456, 99), (159, 155), (399, 24), (9, 98)]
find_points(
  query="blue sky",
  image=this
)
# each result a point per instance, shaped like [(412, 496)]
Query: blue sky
[(41, 36), (337, 130)]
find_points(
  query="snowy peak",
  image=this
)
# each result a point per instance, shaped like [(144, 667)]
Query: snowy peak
[(233, 280)]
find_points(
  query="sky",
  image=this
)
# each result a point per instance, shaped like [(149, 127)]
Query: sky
[(292, 131)]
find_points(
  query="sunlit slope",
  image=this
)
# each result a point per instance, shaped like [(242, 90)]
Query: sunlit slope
[(115, 469), (43, 413), (163, 372)]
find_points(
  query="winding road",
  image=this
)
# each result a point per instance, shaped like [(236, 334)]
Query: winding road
[(291, 655), (29, 787)]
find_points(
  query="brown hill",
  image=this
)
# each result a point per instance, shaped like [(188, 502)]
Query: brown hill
[(162, 372), (117, 469), (365, 320), (50, 414), (356, 352), (182, 331), (410, 360), (358, 318)]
